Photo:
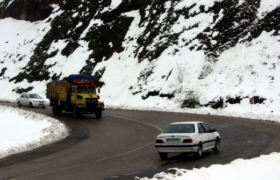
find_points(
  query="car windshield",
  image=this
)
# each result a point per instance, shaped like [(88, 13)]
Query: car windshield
[(86, 90), (34, 96), (180, 128)]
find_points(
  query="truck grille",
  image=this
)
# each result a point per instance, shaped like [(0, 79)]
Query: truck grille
[(91, 102)]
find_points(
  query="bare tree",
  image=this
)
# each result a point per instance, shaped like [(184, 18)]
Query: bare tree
[(191, 99), (181, 71)]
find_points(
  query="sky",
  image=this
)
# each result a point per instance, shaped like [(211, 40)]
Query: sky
[(244, 70)]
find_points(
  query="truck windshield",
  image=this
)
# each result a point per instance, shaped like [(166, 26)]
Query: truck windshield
[(85, 90)]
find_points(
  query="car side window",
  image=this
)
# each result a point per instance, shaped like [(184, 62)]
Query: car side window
[(22, 96), (207, 129), (200, 129)]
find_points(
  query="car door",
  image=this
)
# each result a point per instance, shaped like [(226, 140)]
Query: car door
[(210, 134), (26, 99), (21, 98), (203, 136)]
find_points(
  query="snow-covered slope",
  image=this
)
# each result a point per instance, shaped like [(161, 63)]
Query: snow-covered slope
[(149, 54)]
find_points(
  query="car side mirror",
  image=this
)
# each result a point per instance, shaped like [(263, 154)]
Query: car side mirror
[(214, 130), (98, 90)]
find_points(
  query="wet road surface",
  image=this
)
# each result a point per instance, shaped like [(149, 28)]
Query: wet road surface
[(121, 146)]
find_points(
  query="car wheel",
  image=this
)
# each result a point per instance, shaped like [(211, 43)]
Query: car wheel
[(31, 105), (199, 151), (163, 156), (19, 104), (43, 106), (75, 112), (98, 114), (217, 145)]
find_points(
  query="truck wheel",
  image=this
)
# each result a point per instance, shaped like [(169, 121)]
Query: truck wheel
[(56, 109), (75, 112), (98, 114)]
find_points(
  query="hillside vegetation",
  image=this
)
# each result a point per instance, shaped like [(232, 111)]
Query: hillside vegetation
[(147, 54)]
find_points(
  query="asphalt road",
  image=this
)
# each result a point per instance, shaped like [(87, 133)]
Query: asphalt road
[(121, 146)]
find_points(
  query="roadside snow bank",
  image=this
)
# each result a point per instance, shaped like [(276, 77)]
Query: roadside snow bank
[(22, 130), (263, 167), (228, 112)]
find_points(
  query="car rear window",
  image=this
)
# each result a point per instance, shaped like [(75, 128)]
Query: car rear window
[(180, 128)]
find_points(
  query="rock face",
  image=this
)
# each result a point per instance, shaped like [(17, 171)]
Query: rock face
[(29, 10), (195, 34)]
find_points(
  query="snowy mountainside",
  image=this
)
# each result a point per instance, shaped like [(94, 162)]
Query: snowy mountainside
[(147, 54)]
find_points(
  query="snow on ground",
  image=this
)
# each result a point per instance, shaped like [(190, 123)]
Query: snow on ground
[(265, 167), (246, 70), (22, 130), (115, 3)]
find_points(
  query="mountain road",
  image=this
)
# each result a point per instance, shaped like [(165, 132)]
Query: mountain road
[(120, 145)]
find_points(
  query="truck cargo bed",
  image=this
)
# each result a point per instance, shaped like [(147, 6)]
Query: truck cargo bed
[(58, 91)]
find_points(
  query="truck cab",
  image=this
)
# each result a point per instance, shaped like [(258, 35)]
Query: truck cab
[(84, 96)]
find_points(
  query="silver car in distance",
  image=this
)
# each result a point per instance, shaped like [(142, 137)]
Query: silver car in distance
[(193, 137), (31, 100)]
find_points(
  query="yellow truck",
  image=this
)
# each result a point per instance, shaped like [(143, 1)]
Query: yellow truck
[(76, 94)]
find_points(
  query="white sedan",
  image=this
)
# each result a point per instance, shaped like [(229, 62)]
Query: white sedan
[(31, 100), (193, 137)]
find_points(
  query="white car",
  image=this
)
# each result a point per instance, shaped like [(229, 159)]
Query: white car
[(31, 100), (193, 137)]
